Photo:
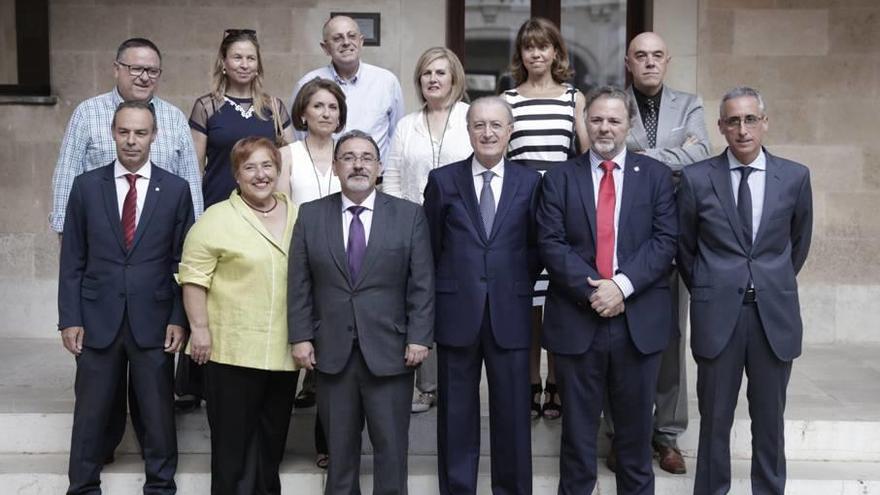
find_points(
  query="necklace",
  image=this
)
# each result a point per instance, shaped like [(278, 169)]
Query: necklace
[(435, 162), (241, 110), (264, 212), (315, 170)]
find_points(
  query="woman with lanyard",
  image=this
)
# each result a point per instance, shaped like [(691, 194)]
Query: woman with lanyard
[(548, 128), (434, 136), (306, 175), (237, 107)]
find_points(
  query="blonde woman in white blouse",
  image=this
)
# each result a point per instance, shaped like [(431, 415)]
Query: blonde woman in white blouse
[(434, 136), (306, 172)]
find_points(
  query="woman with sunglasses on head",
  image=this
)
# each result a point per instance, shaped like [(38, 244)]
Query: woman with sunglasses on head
[(548, 128), (235, 108)]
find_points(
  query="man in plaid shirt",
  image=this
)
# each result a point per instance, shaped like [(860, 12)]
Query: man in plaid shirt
[(88, 143)]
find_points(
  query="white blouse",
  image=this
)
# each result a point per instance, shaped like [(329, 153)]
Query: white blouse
[(307, 183), (414, 152)]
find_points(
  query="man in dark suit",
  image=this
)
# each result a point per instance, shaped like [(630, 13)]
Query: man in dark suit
[(361, 311), (607, 229), (119, 307), (746, 221), (669, 126), (487, 262)]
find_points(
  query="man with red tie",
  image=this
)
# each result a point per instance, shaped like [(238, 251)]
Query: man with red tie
[(607, 232), (119, 308)]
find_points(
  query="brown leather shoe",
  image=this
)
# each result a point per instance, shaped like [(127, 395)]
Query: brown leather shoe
[(611, 460), (670, 459)]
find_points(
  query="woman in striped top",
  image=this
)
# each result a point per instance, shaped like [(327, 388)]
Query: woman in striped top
[(548, 128)]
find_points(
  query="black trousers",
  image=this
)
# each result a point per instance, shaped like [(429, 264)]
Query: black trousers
[(718, 383), (100, 373), (612, 362), (249, 415)]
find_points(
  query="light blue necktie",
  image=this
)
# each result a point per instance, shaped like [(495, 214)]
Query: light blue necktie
[(487, 202)]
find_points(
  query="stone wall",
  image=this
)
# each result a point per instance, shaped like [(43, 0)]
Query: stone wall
[(84, 37), (816, 62)]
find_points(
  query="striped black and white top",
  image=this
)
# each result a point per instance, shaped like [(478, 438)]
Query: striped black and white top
[(543, 128)]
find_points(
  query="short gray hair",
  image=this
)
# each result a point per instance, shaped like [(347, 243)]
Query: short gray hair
[(615, 93), (485, 100), (739, 92), (356, 134)]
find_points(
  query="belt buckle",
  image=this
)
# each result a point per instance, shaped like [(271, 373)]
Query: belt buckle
[(750, 296)]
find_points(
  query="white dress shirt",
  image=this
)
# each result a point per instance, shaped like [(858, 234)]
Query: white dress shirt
[(598, 172), (366, 216), (477, 170), (757, 181), (141, 185)]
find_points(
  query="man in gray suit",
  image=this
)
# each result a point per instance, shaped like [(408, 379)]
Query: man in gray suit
[(669, 127), (745, 225), (361, 311)]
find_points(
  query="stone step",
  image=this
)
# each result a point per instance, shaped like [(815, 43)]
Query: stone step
[(806, 440), (833, 409), (47, 474)]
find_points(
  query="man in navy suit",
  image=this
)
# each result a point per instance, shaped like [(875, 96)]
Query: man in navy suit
[(607, 232), (746, 221), (481, 215), (119, 307)]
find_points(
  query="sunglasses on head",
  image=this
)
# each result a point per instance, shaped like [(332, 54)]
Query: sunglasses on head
[(237, 32)]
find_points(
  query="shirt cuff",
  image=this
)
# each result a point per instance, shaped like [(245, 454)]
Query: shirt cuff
[(623, 283)]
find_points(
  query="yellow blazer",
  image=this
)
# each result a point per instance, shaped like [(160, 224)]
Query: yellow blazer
[(244, 269)]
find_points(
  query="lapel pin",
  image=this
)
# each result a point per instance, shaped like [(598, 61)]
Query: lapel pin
[(157, 189), (636, 168)]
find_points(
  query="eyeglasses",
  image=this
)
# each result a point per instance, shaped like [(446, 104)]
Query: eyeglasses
[(137, 70), (750, 121), (351, 159), (239, 32), (480, 127), (340, 38)]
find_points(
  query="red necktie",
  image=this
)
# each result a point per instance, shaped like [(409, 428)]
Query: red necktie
[(605, 222), (129, 210)]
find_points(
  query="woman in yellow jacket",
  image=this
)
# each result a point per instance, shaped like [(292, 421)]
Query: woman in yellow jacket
[(234, 278)]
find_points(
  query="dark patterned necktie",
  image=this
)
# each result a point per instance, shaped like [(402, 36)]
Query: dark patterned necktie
[(650, 121), (129, 210), (357, 242)]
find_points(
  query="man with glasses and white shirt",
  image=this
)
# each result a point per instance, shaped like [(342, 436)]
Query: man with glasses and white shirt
[(373, 94), (360, 306), (88, 144), (746, 220)]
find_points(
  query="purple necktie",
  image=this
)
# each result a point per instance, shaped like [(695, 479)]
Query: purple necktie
[(357, 242)]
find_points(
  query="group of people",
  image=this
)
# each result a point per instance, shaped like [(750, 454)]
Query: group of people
[(305, 259)]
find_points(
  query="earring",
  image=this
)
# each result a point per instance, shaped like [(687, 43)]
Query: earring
[(224, 71), (304, 120)]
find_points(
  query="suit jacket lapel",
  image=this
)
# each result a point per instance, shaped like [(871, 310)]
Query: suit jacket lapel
[(379, 228), (720, 177), (666, 120), (154, 189), (771, 194), (632, 185), (465, 183), (111, 206), (508, 192), (637, 131), (333, 228), (584, 178)]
